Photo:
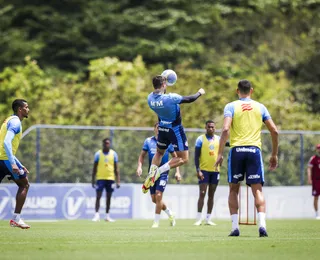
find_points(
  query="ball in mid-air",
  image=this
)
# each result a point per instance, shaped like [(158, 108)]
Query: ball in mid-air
[(171, 77)]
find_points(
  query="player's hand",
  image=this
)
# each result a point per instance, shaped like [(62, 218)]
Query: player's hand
[(118, 185), (273, 163), (25, 170), (93, 185), (201, 91), (218, 162), (139, 172), (309, 181), (178, 177), (15, 168), (200, 175)]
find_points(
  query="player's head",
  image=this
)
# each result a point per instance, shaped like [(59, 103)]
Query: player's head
[(159, 82), (156, 129), (106, 144), (20, 107), (244, 87), (318, 149), (210, 127)]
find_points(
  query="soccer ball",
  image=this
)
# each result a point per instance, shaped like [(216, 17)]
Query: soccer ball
[(171, 77)]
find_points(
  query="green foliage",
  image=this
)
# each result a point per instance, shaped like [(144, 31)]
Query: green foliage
[(93, 61)]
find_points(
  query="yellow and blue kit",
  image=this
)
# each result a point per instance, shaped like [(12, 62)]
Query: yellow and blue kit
[(245, 140)]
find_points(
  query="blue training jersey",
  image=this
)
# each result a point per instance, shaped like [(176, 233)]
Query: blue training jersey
[(167, 108), (150, 146)]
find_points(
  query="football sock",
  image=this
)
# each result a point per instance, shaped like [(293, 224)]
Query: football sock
[(164, 168), (262, 219), (199, 216), (157, 218), (208, 218), (235, 221), (152, 166), (168, 212), (16, 217)]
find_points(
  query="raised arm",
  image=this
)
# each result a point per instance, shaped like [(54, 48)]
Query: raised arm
[(192, 98)]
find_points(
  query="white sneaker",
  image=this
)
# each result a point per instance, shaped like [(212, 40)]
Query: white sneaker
[(172, 219), (210, 223), (96, 217), (19, 224), (155, 225), (110, 220), (198, 223)]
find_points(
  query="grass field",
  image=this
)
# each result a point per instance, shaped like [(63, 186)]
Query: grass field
[(134, 239)]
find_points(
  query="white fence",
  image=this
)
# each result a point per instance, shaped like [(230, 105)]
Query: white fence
[(77, 201), (282, 202)]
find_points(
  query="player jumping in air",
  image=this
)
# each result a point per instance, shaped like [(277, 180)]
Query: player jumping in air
[(150, 148), (167, 108)]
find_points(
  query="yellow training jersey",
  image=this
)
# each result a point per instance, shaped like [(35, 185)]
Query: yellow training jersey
[(209, 153), (247, 118), (15, 141), (106, 165)]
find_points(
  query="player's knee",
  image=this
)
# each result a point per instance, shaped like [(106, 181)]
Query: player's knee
[(24, 184), (202, 194), (27, 186), (161, 152), (158, 197), (210, 196), (183, 161)]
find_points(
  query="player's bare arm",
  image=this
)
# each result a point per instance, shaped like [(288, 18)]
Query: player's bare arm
[(309, 169), (25, 170), (223, 140), (94, 173), (273, 162), (197, 154), (140, 162), (177, 174), (117, 173)]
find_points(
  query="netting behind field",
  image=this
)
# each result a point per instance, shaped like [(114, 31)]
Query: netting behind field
[(56, 155)]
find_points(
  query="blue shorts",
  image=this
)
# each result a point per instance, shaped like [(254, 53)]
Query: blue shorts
[(160, 184), (5, 170), (175, 136), (210, 177), (105, 184), (245, 161)]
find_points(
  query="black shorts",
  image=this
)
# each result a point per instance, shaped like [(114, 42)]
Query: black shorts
[(175, 136), (5, 171)]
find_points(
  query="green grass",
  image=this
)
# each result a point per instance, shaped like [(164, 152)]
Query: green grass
[(134, 239)]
